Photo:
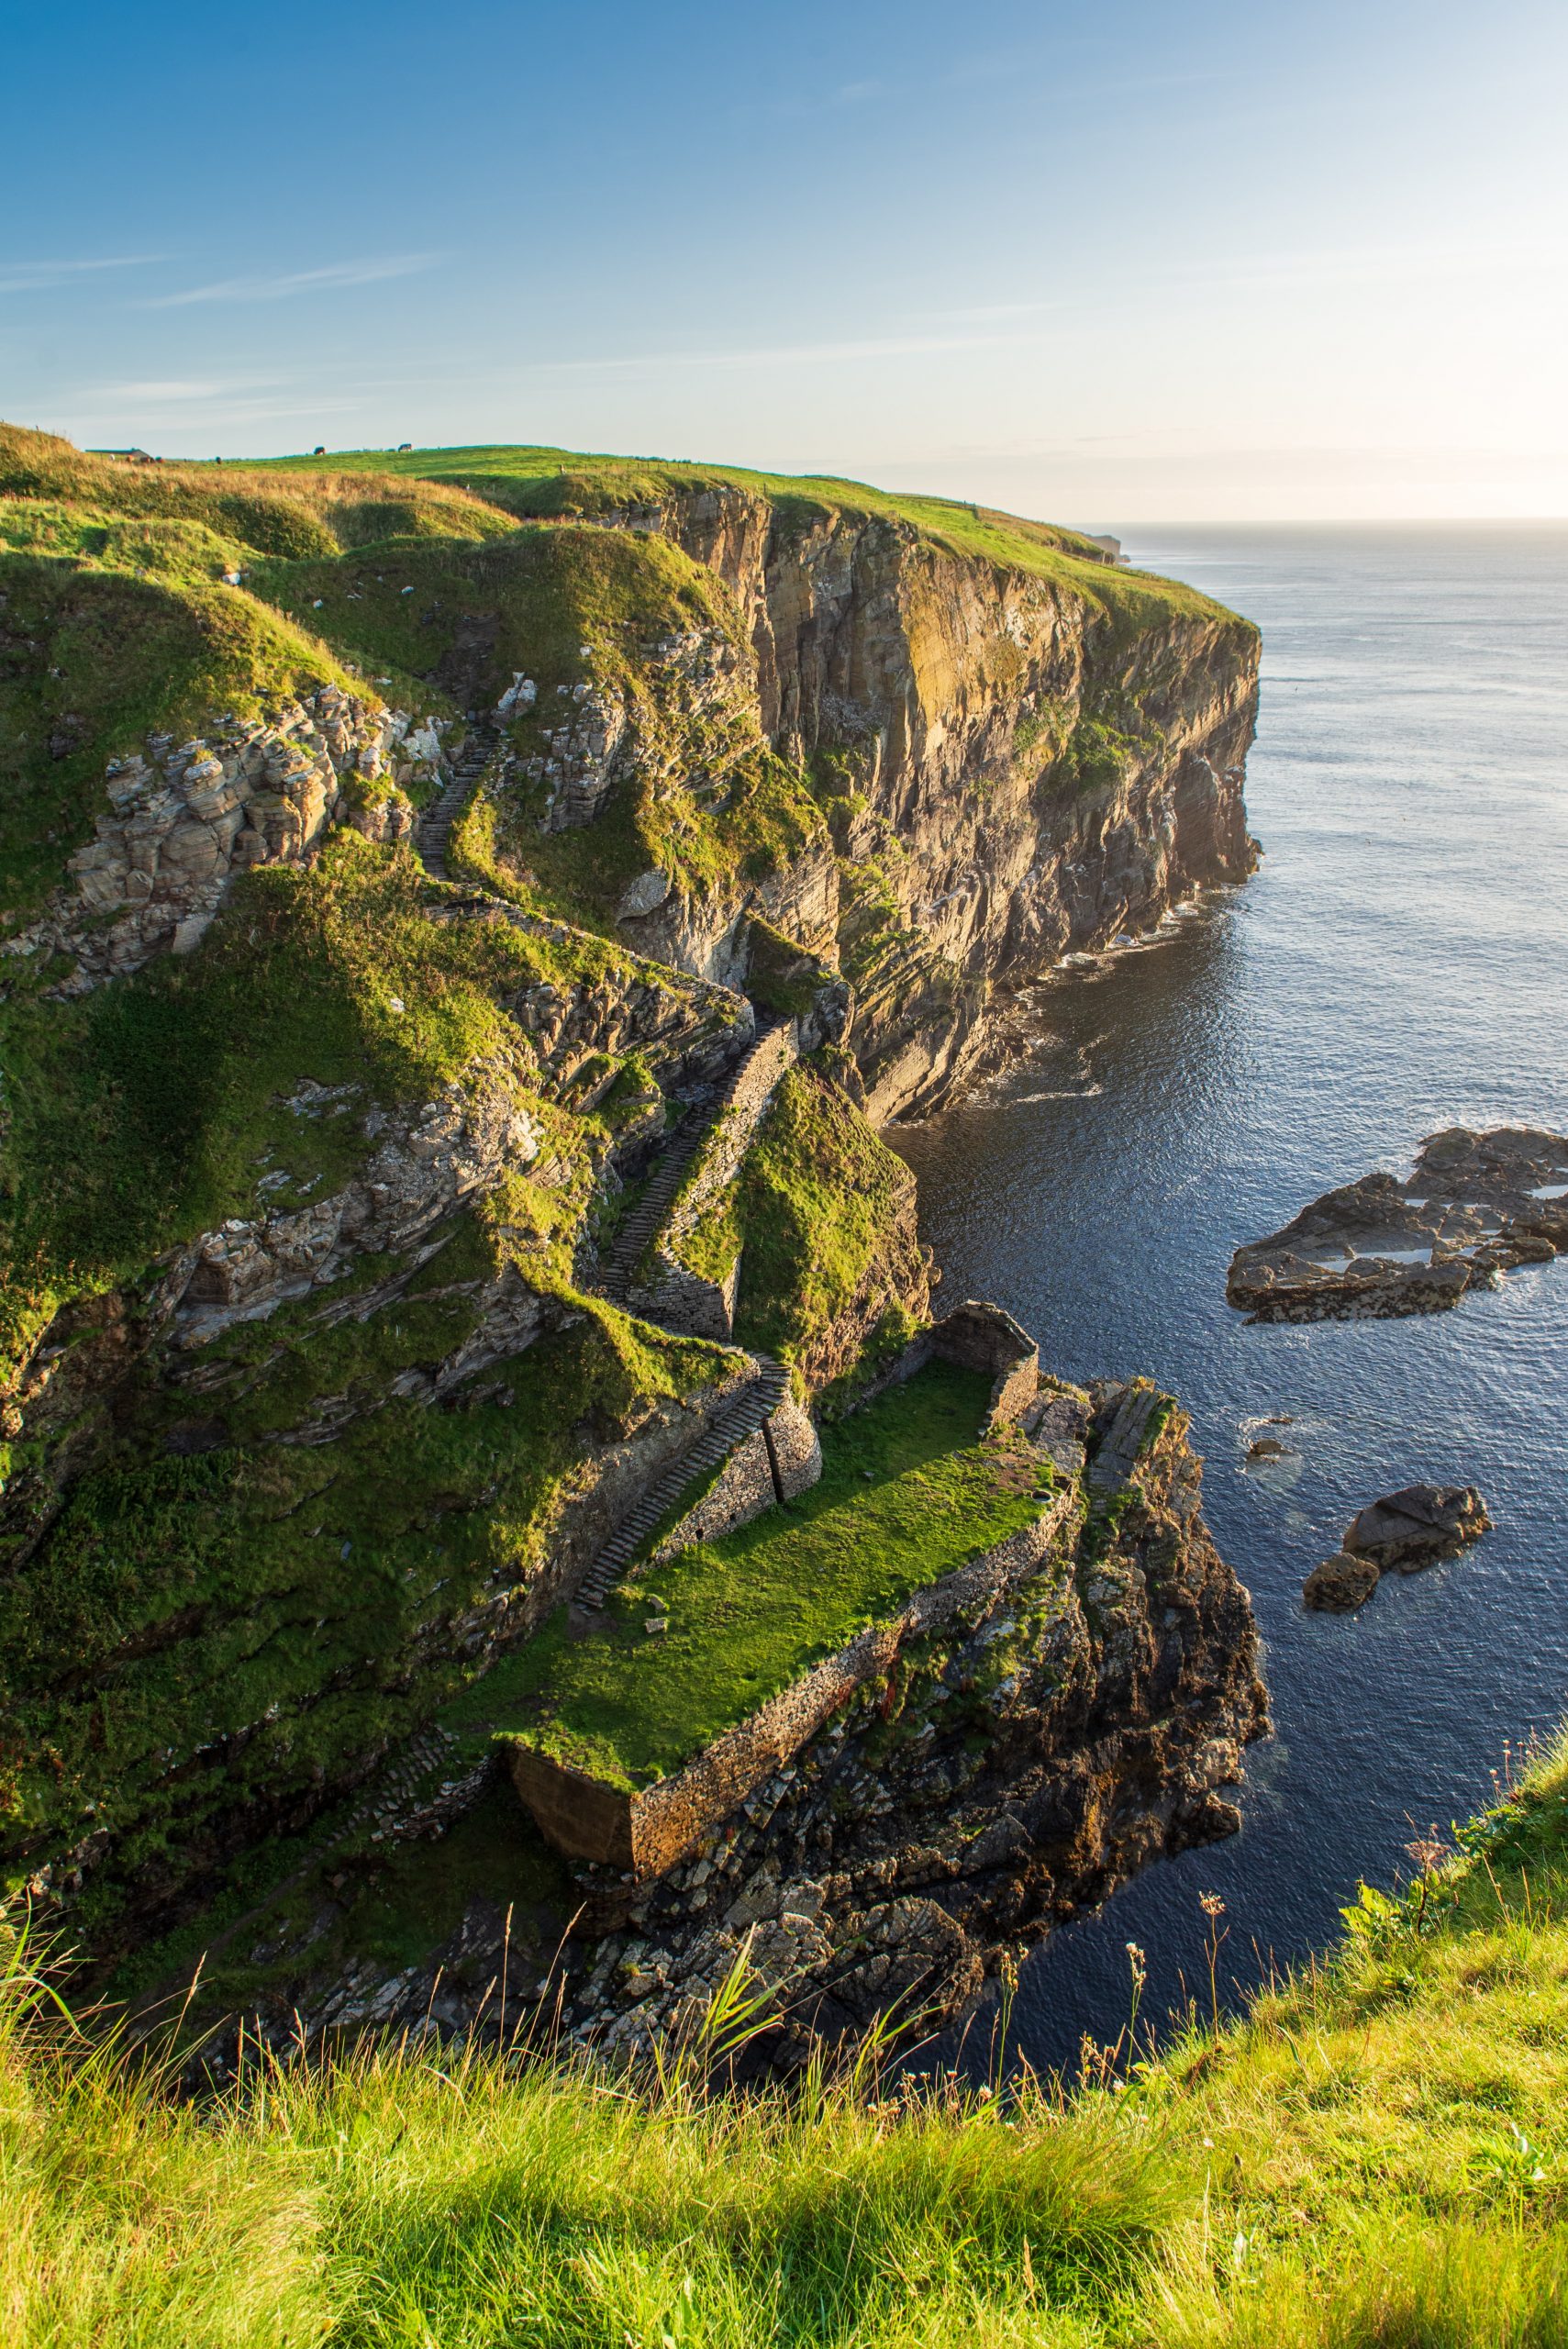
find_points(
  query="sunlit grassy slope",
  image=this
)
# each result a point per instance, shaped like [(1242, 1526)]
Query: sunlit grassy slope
[(1374, 2154), (566, 484), (907, 1494)]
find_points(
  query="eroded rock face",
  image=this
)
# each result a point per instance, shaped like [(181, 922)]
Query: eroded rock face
[(1476, 1205), (424, 1163), (184, 818), (956, 687)]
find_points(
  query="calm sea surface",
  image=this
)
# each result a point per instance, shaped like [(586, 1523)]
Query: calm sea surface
[(1399, 963)]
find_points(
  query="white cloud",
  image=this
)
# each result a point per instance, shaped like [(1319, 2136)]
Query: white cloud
[(35, 276), (299, 280)]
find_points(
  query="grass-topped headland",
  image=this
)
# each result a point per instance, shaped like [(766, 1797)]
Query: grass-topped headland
[(908, 1493), (1370, 2157), (569, 484)]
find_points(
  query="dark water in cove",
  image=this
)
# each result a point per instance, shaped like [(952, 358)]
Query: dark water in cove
[(1397, 964)]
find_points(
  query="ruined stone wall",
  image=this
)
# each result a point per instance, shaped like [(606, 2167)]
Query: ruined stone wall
[(720, 1159), (671, 1292), (976, 1336)]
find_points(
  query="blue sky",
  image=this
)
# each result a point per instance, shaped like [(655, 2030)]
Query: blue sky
[(1111, 263)]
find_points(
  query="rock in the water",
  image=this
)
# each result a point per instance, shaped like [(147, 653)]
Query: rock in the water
[(1420, 1523), (1476, 1205), (1267, 1447), (1341, 1584)]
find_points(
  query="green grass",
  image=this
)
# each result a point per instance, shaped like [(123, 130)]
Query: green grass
[(906, 1495), (114, 620), (814, 1212), (246, 1626), (1373, 2157), (564, 482), (146, 1111)]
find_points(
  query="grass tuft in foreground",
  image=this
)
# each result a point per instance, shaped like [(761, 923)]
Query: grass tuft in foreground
[(1372, 2158)]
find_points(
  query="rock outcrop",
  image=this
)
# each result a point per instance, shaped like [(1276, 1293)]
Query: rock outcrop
[(1341, 1584), (185, 818), (1404, 1531), (1476, 1206), (1416, 1525)]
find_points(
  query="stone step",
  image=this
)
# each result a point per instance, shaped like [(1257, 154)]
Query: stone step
[(729, 1431)]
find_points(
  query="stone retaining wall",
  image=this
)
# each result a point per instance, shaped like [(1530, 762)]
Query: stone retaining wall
[(645, 1835), (672, 1294), (977, 1336), (718, 1161), (777, 1462)]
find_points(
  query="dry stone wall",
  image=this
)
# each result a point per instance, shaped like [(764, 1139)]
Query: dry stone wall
[(672, 1294), (778, 1461), (975, 1335)]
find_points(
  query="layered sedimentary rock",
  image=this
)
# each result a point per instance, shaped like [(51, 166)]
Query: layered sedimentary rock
[(1010, 775)]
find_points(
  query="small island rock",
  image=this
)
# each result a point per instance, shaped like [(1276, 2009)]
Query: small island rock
[(1476, 1205), (1411, 1528)]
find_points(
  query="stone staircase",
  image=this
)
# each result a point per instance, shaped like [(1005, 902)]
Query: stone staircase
[(647, 1217), (757, 1400), (433, 831), (631, 1240)]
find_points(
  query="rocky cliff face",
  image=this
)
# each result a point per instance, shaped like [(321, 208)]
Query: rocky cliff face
[(1012, 767), (312, 1398)]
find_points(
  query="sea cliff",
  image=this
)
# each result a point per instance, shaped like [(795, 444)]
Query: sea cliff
[(450, 907)]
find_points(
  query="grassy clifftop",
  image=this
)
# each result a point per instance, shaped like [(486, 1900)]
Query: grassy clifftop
[(1372, 2157), (567, 484)]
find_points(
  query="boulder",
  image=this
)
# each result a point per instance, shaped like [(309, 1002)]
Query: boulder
[(1341, 1584), (1419, 1523)]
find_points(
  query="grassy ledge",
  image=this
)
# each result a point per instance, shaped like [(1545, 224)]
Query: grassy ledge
[(907, 1494)]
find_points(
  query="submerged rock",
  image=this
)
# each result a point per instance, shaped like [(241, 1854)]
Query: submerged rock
[(1476, 1204)]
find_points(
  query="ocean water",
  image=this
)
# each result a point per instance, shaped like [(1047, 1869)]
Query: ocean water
[(1398, 963)]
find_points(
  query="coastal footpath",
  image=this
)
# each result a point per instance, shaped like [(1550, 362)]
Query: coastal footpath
[(465, 917)]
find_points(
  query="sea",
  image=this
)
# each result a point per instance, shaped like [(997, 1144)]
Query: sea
[(1398, 963)]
